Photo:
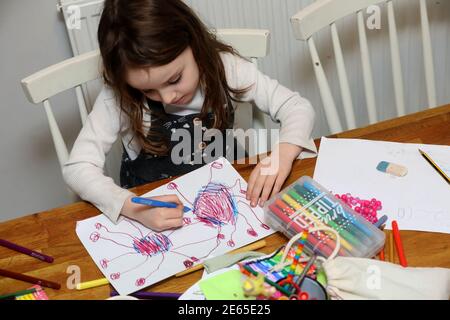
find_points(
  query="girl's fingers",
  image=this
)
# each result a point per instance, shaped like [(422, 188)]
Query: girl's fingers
[(266, 190), (176, 213), (251, 182), (259, 184), (278, 184)]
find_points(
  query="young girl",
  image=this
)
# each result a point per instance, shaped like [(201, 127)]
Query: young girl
[(163, 71)]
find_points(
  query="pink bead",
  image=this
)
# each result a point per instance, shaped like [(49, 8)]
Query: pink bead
[(365, 211), (358, 209), (344, 197), (366, 203)]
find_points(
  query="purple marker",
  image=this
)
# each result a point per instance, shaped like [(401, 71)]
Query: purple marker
[(24, 250), (151, 295)]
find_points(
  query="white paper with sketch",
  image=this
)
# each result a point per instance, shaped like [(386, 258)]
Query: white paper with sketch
[(420, 200), (133, 257)]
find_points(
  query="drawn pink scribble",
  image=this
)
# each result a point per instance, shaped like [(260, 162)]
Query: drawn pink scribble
[(215, 206)]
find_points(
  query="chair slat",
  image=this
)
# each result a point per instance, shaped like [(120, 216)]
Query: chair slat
[(396, 64), (343, 79), (81, 104), (327, 98), (367, 69), (428, 55), (60, 145)]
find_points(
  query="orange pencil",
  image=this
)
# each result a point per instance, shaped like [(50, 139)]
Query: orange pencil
[(398, 244)]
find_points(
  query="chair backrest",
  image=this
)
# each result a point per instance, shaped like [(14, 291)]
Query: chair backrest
[(72, 73), (325, 13)]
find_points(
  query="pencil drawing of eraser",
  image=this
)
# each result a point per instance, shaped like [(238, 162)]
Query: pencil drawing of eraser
[(392, 168)]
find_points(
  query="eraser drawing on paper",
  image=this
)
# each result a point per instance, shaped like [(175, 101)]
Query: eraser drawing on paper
[(392, 168)]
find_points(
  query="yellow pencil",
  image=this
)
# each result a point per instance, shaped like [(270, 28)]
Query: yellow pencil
[(92, 284), (435, 166), (253, 246)]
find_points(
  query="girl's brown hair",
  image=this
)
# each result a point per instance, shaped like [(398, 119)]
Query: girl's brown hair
[(143, 33)]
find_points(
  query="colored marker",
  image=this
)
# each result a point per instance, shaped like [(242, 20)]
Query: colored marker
[(380, 221), (320, 238), (341, 222), (157, 203), (332, 203), (398, 244), (24, 250), (346, 236), (303, 196), (284, 219)]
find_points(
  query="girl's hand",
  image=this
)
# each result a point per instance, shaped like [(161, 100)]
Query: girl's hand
[(269, 175), (157, 219)]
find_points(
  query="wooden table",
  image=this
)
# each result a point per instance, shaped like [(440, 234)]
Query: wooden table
[(53, 232)]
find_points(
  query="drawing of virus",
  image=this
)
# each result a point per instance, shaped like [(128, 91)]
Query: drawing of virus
[(216, 207)]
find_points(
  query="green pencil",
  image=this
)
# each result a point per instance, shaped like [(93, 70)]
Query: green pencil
[(18, 293)]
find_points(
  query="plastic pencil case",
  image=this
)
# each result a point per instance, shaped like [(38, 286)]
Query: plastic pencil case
[(305, 204)]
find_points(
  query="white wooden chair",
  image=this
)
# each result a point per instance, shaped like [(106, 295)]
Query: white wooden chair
[(325, 13), (74, 72)]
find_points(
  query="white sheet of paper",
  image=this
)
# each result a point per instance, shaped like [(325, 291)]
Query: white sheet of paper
[(418, 201), (133, 257)]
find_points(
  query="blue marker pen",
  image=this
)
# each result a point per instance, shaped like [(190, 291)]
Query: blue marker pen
[(157, 203)]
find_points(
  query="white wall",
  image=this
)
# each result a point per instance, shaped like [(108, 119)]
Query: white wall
[(33, 36), (289, 60)]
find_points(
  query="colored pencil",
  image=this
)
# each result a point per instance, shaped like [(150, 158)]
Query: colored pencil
[(398, 244), (151, 295), (23, 277), (435, 166), (92, 284), (252, 246), (17, 293), (308, 266), (32, 253)]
